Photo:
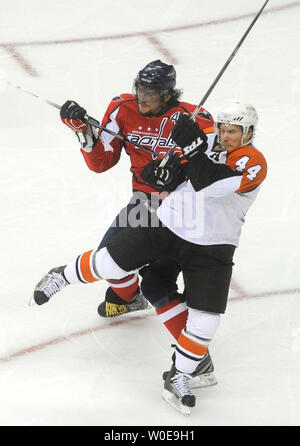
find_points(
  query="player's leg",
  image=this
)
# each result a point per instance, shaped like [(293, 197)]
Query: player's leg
[(160, 288), (206, 277), (90, 266), (122, 296), (131, 249), (191, 349)]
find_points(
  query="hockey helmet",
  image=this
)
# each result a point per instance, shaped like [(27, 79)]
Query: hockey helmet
[(157, 75), (240, 114)]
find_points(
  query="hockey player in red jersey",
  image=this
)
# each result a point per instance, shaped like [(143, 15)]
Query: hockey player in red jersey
[(145, 117), (222, 183)]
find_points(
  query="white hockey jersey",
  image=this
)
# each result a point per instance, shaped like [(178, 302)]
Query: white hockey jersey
[(210, 208)]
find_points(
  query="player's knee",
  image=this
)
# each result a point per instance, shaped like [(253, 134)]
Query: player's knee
[(158, 289), (106, 267)]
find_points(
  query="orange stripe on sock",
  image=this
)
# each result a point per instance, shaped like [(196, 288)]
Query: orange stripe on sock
[(191, 346), (85, 268)]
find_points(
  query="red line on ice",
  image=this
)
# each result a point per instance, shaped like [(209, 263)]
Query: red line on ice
[(266, 294), (21, 60), (78, 334), (237, 288), (159, 46), (148, 34), (155, 31)]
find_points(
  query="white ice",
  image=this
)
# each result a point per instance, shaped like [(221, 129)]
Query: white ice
[(83, 370)]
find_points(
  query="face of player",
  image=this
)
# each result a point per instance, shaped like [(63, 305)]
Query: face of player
[(150, 101), (231, 136)]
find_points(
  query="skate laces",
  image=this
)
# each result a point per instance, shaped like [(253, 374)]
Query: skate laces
[(181, 383), (52, 284)]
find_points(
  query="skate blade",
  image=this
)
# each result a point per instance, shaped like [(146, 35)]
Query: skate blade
[(32, 302), (202, 381), (175, 402)]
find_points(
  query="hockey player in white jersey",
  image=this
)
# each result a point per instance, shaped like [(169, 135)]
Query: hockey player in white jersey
[(200, 228)]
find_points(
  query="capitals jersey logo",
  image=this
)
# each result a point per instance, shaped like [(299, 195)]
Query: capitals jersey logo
[(152, 139), (122, 116)]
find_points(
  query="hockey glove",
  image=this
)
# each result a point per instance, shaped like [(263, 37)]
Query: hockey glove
[(165, 178), (72, 114), (189, 137)]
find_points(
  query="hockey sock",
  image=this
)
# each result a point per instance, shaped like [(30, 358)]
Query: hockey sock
[(174, 316), (82, 270), (97, 264), (193, 341), (125, 288)]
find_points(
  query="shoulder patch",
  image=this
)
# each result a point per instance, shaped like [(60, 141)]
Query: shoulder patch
[(205, 115)]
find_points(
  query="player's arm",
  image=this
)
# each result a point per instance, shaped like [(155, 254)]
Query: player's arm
[(172, 174), (100, 150), (199, 169), (252, 164), (241, 173)]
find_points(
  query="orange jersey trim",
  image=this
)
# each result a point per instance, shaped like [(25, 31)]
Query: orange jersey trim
[(251, 162)]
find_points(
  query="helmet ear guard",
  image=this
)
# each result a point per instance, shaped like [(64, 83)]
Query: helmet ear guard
[(243, 115)]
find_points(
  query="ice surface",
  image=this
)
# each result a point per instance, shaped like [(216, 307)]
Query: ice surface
[(60, 364)]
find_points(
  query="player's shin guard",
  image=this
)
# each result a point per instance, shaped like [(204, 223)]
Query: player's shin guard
[(125, 288), (83, 269), (189, 351), (174, 316), (193, 341), (192, 354), (92, 266)]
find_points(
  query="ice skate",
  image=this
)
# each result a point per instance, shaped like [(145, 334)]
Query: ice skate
[(203, 376), (114, 306), (177, 391), (50, 284)]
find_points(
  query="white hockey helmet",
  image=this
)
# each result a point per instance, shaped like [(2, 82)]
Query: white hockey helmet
[(241, 114)]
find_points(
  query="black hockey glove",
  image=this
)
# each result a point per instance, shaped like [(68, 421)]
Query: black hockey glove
[(165, 178), (72, 110), (189, 137), (72, 114)]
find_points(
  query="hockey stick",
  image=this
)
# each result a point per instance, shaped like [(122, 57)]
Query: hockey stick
[(207, 94), (88, 119)]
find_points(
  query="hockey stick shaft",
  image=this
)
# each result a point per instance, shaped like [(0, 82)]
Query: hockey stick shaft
[(88, 119), (207, 94)]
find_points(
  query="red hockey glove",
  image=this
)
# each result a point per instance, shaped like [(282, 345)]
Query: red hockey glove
[(72, 114)]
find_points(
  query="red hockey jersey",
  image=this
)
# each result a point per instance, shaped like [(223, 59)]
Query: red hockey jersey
[(122, 116)]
